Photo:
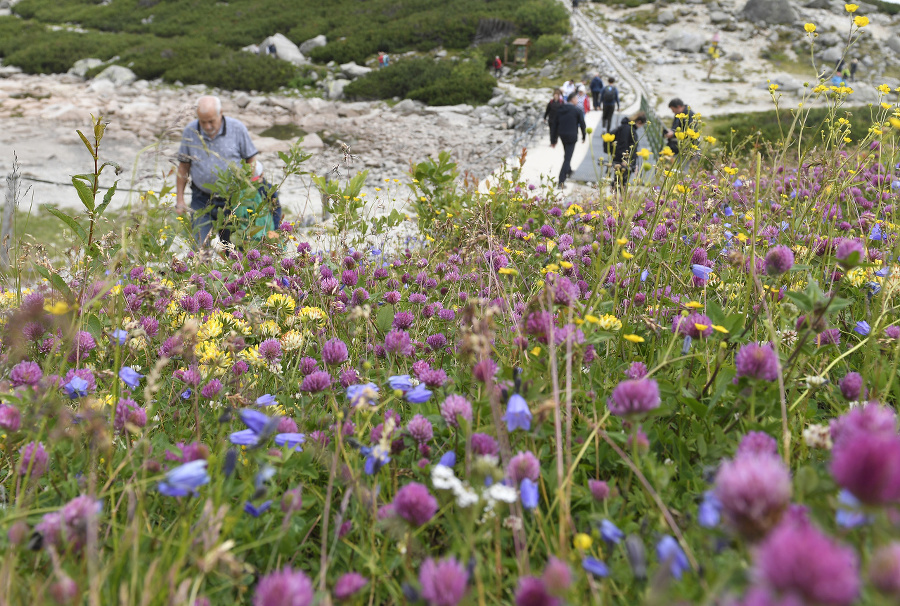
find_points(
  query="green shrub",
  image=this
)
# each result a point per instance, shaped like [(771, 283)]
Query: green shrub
[(427, 80), (539, 17), (235, 70), (545, 46)]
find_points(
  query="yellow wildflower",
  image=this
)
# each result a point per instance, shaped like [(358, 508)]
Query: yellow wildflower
[(693, 304), (633, 338), (57, 309), (621, 241), (810, 27), (508, 271), (583, 541), (609, 138), (851, 8), (718, 328), (610, 322), (884, 89), (861, 21), (536, 351)]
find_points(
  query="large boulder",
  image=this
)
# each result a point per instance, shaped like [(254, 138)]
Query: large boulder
[(284, 49), (771, 12), (82, 66), (336, 88), (118, 75), (679, 39), (666, 16), (354, 71), (407, 106), (832, 55), (894, 43), (719, 17), (312, 43)]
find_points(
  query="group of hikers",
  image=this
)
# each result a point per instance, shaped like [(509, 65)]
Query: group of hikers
[(565, 116)]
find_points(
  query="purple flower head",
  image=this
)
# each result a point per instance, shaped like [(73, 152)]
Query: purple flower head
[(757, 443), (34, 458), (599, 489), (830, 336), (270, 350), (76, 517), (420, 429), (25, 373), (316, 382), (308, 365), (415, 504), (884, 570), (189, 376), (443, 582), (483, 444), (184, 479), (637, 370), (334, 352), (634, 397), (10, 417), (694, 325), (348, 585), (211, 389), (533, 592), (670, 554), (398, 342), (870, 419), (130, 377), (436, 342), (485, 370), (523, 465), (455, 407), (402, 320), (285, 587), (779, 260), (756, 362), (849, 253), (867, 464), (796, 558), (557, 576), (754, 490), (851, 386), (518, 415)]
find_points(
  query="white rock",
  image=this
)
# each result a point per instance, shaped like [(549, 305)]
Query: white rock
[(894, 43), (242, 100), (103, 88), (81, 67), (118, 75), (666, 16), (284, 49), (312, 43), (312, 141), (355, 71), (336, 89), (406, 107), (679, 39)]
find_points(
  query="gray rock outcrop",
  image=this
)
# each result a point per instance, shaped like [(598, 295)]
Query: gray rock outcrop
[(82, 66), (312, 43), (771, 12), (679, 39), (284, 49), (118, 75), (353, 71)]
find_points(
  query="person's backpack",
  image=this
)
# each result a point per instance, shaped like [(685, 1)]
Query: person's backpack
[(498, 64), (608, 96)]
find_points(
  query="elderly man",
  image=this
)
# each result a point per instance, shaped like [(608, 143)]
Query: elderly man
[(208, 146)]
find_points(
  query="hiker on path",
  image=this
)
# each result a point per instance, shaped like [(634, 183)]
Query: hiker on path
[(209, 145), (569, 118), (498, 66), (854, 65), (679, 124), (609, 99), (568, 88), (624, 155), (596, 87), (550, 114), (581, 97)]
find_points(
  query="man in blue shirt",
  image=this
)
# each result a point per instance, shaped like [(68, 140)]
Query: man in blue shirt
[(596, 87), (209, 145)]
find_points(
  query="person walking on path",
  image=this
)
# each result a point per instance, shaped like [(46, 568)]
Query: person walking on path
[(568, 88), (209, 145), (498, 66), (596, 88), (581, 97), (854, 65), (569, 119), (550, 114), (609, 98), (683, 120), (624, 154)]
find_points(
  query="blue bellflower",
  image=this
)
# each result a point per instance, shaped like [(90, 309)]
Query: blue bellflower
[(701, 271), (448, 459), (862, 327), (610, 532), (130, 377), (266, 400), (76, 388), (849, 513), (670, 554), (595, 567), (184, 479), (529, 494), (517, 416), (260, 427), (418, 394), (257, 511), (119, 336), (401, 382), (364, 393), (376, 458), (709, 514)]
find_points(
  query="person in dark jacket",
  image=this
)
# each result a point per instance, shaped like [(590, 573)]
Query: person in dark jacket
[(624, 152), (596, 87), (550, 114), (679, 108), (609, 99), (568, 120)]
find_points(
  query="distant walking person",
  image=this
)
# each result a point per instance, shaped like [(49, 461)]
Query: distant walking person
[(624, 155), (568, 88), (569, 119), (498, 66), (609, 98), (596, 88), (854, 65), (684, 118), (550, 114)]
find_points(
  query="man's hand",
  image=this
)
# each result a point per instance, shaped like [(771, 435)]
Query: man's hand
[(180, 206), (553, 145)]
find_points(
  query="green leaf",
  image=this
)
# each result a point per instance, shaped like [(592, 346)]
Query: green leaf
[(84, 192), (94, 326), (87, 143), (70, 221), (385, 318), (56, 281), (107, 198), (801, 300)]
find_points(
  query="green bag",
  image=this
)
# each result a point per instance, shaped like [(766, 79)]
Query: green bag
[(252, 216)]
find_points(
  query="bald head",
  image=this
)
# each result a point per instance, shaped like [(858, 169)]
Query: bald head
[(209, 114)]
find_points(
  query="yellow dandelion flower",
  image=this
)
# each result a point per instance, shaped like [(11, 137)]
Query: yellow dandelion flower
[(633, 338), (609, 138), (536, 351), (810, 27), (508, 271), (861, 21), (582, 541), (718, 328), (851, 8), (693, 304), (57, 309)]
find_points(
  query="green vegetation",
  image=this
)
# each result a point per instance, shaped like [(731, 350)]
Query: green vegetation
[(199, 41), (433, 82), (762, 130)]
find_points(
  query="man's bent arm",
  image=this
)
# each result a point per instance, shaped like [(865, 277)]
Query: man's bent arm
[(181, 178)]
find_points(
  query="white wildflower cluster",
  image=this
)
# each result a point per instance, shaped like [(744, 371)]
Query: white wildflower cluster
[(813, 382), (817, 436), (443, 478)]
